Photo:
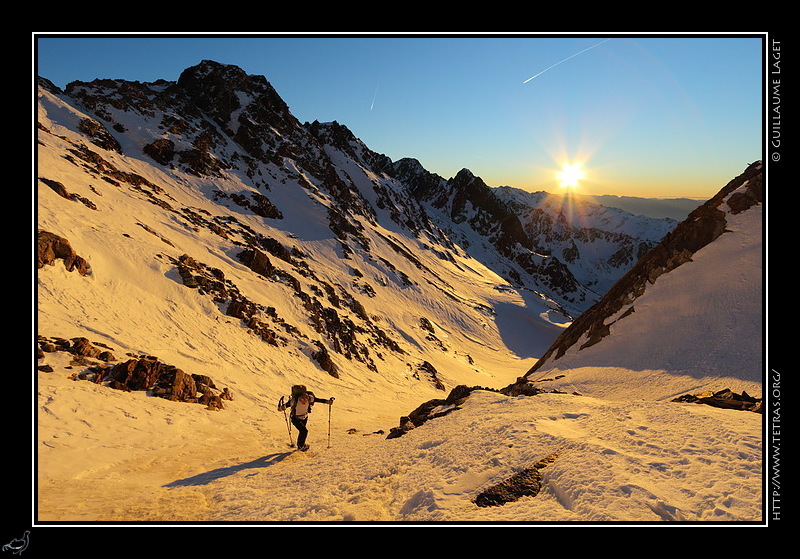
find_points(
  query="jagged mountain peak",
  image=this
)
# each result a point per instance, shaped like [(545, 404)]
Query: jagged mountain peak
[(467, 177), (234, 99), (338, 136), (421, 182)]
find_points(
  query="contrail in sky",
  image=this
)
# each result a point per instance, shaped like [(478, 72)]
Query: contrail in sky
[(373, 98), (567, 58)]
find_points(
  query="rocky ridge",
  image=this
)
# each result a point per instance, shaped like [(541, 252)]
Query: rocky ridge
[(703, 225), (218, 119)]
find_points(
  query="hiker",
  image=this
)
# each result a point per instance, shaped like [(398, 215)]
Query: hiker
[(300, 404)]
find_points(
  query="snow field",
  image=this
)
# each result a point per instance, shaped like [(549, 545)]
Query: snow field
[(615, 462)]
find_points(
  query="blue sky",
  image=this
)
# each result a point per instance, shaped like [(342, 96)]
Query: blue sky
[(652, 116)]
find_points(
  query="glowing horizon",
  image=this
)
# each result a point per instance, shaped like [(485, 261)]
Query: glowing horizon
[(608, 180)]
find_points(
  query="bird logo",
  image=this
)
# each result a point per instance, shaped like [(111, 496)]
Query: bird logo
[(18, 545)]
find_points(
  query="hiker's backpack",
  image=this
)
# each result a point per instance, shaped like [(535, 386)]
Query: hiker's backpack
[(298, 389), (298, 409)]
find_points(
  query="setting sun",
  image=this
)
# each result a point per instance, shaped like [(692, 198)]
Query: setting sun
[(569, 175)]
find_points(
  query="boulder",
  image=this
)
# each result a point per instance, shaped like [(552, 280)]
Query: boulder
[(51, 247), (256, 261), (177, 386), (137, 373)]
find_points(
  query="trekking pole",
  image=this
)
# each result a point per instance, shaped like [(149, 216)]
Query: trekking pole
[(288, 425), (288, 428), (329, 424)]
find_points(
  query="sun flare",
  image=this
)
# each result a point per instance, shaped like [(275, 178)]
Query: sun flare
[(570, 175)]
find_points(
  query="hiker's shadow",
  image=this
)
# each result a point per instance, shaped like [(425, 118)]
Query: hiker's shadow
[(213, 475)]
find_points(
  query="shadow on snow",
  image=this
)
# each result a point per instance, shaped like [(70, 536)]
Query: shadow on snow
[(213, 475)]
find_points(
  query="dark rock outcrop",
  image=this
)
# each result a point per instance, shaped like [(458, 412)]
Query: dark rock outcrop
[(99, 135), (525, 483), (257, 261), (162, 151), (79, 347), (134, 374), (165, 381), (62, 191), (725, 399), (51, 247), (431, 409)]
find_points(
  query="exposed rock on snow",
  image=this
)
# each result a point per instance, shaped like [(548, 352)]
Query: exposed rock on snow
[(51, 247), (145, 373), (61, 190), (79, 347), (525, 483), (725, 399), (432, 409)]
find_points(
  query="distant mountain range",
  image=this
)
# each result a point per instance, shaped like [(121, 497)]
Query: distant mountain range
[(672, 208)]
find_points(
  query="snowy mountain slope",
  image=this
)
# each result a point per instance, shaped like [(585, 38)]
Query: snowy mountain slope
[(354, 267), (351, 263), (687, 316)]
